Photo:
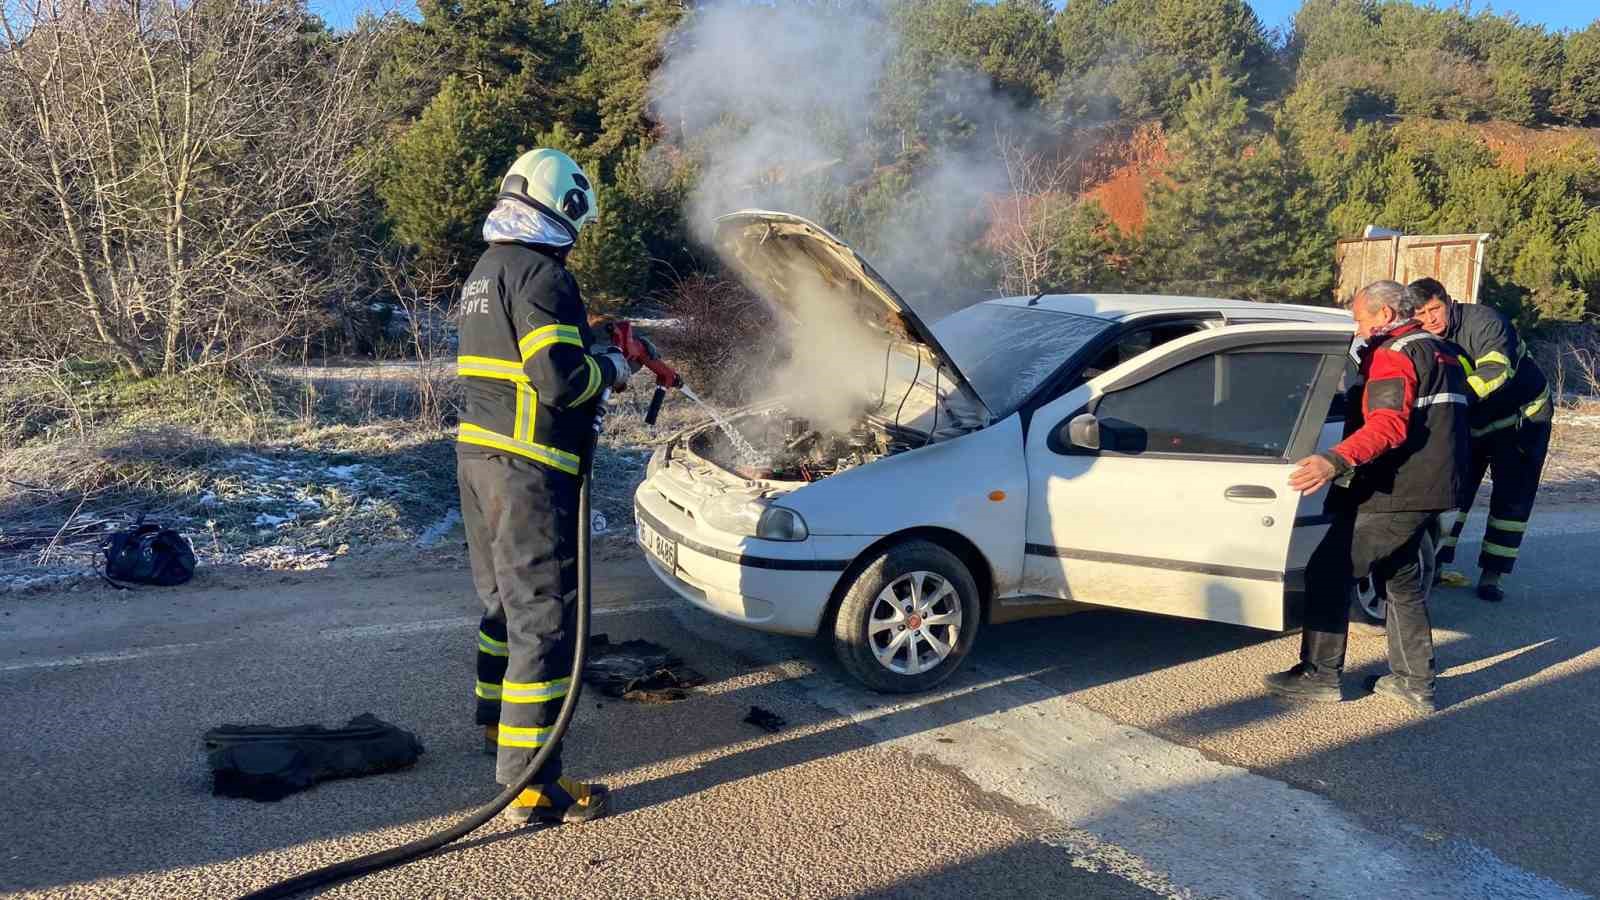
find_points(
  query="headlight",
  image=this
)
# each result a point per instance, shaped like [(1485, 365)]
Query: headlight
[(754, 517), (737, 513), (779, 524)]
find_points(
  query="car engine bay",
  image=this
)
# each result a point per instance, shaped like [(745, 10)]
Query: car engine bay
[(793, 449)]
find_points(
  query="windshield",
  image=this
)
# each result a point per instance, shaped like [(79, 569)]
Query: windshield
[(1008, 351)]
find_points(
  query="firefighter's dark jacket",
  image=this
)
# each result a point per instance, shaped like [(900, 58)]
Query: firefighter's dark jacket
[(1507, 385), (1405, 427), (529, 379)]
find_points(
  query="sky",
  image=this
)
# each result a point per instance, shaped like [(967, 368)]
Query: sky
[(1553, 14)]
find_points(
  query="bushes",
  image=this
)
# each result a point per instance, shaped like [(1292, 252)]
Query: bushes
[(724, 343)]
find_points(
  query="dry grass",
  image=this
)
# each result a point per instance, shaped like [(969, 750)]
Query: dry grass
[(1570, 358), (239, 462)]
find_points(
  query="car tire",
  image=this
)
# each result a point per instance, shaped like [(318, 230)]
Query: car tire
[(1369, 599), (874, 646)]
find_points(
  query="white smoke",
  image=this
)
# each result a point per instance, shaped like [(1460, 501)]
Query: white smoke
[(765, 93), (780, 105)]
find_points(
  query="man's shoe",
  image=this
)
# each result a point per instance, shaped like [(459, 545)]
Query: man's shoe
[(1300, 683), (1491, 592), (1390, 686), (1451, 578), (491, 740), (564, 802)]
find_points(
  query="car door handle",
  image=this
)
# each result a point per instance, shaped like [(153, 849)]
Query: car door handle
[(1250, 492)]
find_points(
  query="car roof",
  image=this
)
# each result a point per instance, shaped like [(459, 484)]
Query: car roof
[(1118, 307)]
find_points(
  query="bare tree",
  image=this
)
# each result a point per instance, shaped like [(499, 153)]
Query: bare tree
[(1027, 218), (178, 173)]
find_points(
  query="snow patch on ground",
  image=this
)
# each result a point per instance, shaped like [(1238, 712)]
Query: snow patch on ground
[(435, 533)]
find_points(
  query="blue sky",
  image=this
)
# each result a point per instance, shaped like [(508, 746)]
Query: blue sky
[(1554, 14)]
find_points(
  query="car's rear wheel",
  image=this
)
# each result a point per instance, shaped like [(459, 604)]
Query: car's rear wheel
[(908, 619), (1370, 599)]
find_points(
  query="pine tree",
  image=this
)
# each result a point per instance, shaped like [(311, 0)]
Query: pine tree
[(441, 177), (1235, 216)]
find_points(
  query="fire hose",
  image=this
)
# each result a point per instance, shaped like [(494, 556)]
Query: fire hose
[(635, 349)]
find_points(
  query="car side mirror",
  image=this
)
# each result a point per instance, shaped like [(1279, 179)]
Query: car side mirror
[(1083, 432)]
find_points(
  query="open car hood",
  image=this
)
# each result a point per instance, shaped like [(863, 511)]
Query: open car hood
[(766, 249)]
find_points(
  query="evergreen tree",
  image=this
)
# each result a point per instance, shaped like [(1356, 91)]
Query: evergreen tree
[(441, 178), (1231, 218)]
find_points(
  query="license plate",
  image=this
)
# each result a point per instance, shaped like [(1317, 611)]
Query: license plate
[(663, 548)]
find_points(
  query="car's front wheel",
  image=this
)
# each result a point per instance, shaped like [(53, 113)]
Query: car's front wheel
[(908, 619)]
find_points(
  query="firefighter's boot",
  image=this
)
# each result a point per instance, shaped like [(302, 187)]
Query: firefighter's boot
[(1489, 587), (491, 740), (566, 801)]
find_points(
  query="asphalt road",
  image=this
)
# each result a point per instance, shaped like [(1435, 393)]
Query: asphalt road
[(1102, 755)]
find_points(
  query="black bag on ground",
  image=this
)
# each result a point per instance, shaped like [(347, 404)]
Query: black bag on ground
[(148, 554), (268, 762)]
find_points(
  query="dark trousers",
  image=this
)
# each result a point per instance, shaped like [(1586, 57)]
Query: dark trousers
[(1389, 547), (1515, 457), (521, 524)]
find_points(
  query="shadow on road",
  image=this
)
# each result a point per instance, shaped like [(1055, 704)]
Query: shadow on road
[(1486, 762)]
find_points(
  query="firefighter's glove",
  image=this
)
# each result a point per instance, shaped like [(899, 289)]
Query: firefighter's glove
[(650, 351), (621, 366)]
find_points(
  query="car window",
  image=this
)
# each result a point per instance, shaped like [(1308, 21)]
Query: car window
[(1134, 343), (1006, 352), (1238, 404)]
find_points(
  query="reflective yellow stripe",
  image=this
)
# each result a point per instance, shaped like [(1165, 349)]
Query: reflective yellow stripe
[(491, 646), (1507, 524), (1507, 422), (1532, 409), (535, 691), (487, 691), (522, 409), (1493, 357), (1497, 550), (1485, 388), (514, 736), (550, 456), (594, 382), (489, 367), (540, 338), (1466, 364), (1449, 540)]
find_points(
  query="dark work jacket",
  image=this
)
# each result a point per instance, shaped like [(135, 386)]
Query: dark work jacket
[(530, 382), (1507, 385), (1406, 444)]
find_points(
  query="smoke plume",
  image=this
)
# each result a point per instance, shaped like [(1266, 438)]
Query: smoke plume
[(783, 107)]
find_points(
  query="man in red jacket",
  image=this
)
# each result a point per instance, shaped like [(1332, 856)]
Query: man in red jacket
[(1404, 459)]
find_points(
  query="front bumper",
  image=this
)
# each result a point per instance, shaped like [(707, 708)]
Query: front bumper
[(775, 586)]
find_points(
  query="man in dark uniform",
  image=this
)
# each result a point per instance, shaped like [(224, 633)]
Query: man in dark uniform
[(1510, 420), (531, 376), (1402, 462)]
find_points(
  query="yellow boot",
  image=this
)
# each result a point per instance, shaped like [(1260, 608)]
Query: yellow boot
[(565, 801), (491, 740)]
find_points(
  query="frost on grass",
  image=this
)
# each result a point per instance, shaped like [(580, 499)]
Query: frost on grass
[(293, 503), (282, 495)]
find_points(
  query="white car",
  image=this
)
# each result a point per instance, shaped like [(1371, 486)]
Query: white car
[(1025, 457)]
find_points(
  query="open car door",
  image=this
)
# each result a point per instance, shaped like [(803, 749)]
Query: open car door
[(1162, 484)]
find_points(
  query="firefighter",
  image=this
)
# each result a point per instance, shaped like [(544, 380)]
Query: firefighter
[(1510, 421), (531, 376), (1403, 461)]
